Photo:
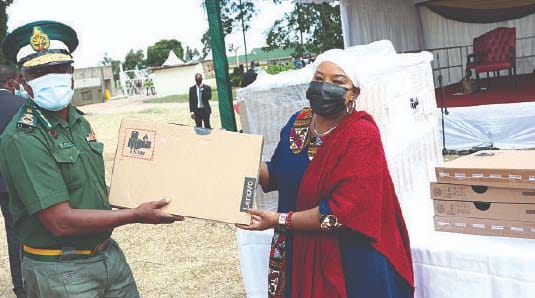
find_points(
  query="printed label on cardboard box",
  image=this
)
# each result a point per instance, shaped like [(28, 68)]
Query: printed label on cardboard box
[(249, 192), (502, 168), (486, 227), (473, 193), (505, 211), (140, 143)]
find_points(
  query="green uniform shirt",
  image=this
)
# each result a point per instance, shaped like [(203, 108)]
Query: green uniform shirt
[(45, 161)]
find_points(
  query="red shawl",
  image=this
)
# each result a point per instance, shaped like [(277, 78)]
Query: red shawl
[(349, 170)]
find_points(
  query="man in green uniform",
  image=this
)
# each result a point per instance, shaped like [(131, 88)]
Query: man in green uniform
[(54, 172)]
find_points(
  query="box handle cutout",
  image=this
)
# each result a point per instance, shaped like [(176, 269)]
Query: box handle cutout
[(483, 206), (480, 189)]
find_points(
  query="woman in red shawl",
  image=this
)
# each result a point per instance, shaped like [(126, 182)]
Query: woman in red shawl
[(339, 230)]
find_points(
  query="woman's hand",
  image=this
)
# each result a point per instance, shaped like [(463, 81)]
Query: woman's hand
[(261, 220)]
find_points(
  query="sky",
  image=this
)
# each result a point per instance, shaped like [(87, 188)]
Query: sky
[(116, 26)]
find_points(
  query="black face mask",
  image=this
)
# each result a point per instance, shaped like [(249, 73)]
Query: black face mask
[(326, 99)]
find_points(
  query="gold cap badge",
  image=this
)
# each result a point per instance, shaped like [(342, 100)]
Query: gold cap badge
[(39, 40)]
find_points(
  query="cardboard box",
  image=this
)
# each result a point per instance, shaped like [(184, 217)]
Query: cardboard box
[(479, 193), (487, 227), (209, 174), (501, 168), (516, 212)]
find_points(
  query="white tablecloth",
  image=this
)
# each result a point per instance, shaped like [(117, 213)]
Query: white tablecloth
[(449, 265), (446, 265), (254, 250)]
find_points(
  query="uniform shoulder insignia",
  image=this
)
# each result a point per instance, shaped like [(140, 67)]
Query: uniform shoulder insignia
[(41, 118), (27, 119)]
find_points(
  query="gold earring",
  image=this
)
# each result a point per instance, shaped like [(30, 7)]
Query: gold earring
[(350, 108)]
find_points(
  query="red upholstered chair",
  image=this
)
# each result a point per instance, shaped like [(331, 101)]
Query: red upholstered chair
[(494, 51)]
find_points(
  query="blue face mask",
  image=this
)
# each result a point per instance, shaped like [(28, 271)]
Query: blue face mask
[(52, 92), (21, 91)]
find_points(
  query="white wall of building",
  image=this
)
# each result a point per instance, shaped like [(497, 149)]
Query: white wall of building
[(175, 80)]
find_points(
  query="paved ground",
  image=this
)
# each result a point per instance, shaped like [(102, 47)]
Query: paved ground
[(130, 104)]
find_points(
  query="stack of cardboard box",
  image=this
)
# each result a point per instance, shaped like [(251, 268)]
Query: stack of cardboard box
[(487, 193)]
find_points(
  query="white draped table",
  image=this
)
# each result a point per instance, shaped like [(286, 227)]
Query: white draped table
[(446, 265)]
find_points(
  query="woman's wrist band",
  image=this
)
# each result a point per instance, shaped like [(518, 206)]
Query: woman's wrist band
[(282, 219), (285, 220), (289, 220)]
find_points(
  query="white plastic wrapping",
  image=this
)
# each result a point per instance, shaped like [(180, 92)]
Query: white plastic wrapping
[(506, 126)]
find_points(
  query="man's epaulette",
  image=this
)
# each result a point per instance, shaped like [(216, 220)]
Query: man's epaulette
[(27, 118), (31, 116), (42, 119)]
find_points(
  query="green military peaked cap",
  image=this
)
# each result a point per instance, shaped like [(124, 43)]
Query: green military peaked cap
[(40, 43)]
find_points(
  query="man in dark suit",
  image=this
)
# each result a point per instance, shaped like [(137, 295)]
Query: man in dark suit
[(9, 106), (250, 76), (199, 107)]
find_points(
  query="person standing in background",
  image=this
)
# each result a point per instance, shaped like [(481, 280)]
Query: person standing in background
[(250, 76), (199, 107), (9, 106)]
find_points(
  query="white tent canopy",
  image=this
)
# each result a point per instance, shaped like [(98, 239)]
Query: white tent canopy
[(172, 60)]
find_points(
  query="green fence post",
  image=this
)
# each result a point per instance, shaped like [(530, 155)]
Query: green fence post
[(219, 55)]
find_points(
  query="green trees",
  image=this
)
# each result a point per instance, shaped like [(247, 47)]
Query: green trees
[(275, 69), (134, 59), (3, 26), (308, 28), (158, 53), (235, 15), (206, 44)]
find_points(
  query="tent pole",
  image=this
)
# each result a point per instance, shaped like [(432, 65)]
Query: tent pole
[(224, 89), (443, 108)]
